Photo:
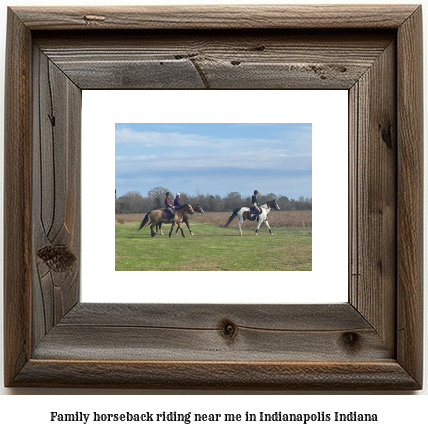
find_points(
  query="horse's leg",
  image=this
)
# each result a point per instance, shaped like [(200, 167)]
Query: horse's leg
[(239, 224), (267, 224), (188, 226), (181, 229), (172, 227), (160, 228), (258, 226), (153, 233)]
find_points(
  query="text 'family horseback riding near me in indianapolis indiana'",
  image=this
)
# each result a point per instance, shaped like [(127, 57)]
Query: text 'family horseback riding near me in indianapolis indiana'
[(190, 417)]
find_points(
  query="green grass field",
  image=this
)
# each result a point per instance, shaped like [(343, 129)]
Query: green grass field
[(213, 248)]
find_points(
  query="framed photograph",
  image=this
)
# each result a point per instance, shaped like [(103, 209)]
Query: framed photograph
[(206, 159), (372, 341)]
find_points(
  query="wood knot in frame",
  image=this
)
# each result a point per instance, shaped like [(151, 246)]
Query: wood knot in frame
[(185, 56), (257, 48), (228, 329), (386, 134), (351, 341), (58, 259), (93, 19), (51, 119)]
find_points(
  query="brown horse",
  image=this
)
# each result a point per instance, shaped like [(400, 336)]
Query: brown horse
[(161, 216), (196, 208)]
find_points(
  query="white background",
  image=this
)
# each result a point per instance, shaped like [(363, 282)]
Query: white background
[(328, 113), (397, 412)]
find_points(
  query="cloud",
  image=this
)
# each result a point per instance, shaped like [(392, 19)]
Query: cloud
[(226, 162), (270, 159), (151, 139)]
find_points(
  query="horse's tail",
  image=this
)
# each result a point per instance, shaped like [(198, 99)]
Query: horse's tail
[(234, 214), (145, 220)]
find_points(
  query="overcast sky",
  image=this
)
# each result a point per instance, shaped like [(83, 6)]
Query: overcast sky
[(215, 158)]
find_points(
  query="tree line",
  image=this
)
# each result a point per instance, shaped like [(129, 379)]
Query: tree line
[(134, 202)]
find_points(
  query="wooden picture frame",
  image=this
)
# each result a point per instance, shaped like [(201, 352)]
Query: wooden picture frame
[(372, 342)]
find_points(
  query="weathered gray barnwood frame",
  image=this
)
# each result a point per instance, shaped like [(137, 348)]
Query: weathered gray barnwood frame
[(372, 342)]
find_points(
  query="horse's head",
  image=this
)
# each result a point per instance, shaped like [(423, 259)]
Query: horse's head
[(198, 209), (272, 204), (188, 208)]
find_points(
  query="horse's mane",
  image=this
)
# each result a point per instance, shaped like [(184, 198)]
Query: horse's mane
[(182, 206), (265, 205)]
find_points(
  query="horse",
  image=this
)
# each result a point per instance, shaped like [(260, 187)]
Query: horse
[(161, 216), (196, 208), (245, 213)]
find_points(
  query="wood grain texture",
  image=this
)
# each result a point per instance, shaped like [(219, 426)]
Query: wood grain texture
[(17, 199), (198, 332), (217, 17), (210, 316), (216, 60), (373, 178), (56, 194), (384, 375), (372, 342), (410, 196)]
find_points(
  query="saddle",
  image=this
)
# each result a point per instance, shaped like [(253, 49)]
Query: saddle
[(166, 214), (254, 213)]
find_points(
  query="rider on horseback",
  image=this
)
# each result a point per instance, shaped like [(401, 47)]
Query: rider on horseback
[(255, 203), (177, 200), (169, 207)]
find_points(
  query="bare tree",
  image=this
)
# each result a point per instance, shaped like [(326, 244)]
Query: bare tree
[(157, 195)]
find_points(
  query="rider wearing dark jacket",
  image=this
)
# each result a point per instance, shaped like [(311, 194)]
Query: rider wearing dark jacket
[(255, 203), (169, 207), (177, 200)]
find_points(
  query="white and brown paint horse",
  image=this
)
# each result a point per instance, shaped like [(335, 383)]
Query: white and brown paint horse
[(244, 213), (196, 208), (161, 216)]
